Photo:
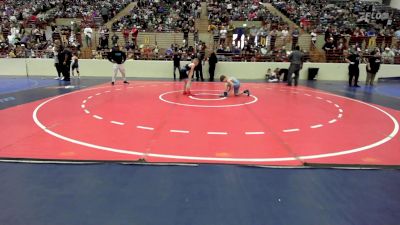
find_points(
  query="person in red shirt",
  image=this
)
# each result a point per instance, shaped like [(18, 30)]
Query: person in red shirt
[(135, 33), (125, 33), (33, 18)]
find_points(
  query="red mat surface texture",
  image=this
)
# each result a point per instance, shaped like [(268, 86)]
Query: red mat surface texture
[(276, 125)]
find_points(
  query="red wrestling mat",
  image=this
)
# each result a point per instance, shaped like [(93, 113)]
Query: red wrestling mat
[(276, 125)]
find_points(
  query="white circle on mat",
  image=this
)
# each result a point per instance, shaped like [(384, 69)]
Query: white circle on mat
[(161, 97), (219, 159), (206, 99)]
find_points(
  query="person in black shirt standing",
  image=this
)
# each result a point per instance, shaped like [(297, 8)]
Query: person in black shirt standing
[(117, 57), (177, 62), (329, 49), (373, 65), (354, 71), (199, 67), (65, 57), (296, 59), (212, 61)]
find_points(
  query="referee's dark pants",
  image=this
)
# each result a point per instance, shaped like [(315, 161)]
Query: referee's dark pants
[(66, 71), (211, 71), (354, 72), (59, 68), (179, 69), (199, 72), (294, 68)]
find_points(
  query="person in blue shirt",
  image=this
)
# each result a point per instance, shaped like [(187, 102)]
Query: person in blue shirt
[(240, 33), (232, 83)]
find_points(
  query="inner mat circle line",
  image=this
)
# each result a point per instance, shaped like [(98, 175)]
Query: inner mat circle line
[(161, 97), (206, 99), (131, 152)]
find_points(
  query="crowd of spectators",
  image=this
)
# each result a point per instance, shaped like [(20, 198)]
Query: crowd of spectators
[(42, 12), (345, 25), (319, 14), (86, 8), (38, 43), (220, 12), (161, 16), (265, 36), (23, 27), (19, 10), (338, 40), (348, 17), (265, 43)]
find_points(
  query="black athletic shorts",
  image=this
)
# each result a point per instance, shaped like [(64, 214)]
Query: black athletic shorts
[(183, 74)]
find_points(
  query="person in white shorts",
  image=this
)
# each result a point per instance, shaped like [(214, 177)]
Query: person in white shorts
[(117, 57)]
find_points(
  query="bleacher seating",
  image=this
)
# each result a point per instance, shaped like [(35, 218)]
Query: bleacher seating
[(161, 23)]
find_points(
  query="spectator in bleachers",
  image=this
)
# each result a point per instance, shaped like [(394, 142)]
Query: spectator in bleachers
[(64, 33), (222, 35), (104, 13), (273, 35), (125, 33), (135, 34), (229, 35), (370, 39), (114, 39), (215, 34), (239, 34), (262, 34), (389, 37), (104, 37), (388, 56), (253, 34), (196, 36), (329, 48), (397, 35), (295, 38), (380, 38), (186, 31), (284, 36), (314, 36), (88, 35), (282, 55)]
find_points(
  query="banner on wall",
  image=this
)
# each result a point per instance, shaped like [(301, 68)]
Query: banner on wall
[(379, 17)]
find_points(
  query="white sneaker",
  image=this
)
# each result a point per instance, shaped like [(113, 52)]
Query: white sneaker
[(57, 78)]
